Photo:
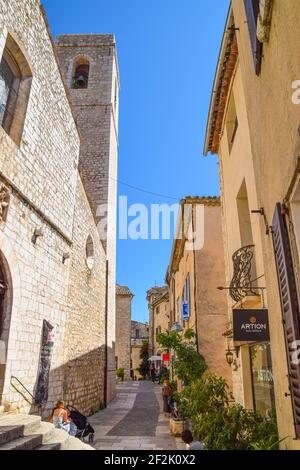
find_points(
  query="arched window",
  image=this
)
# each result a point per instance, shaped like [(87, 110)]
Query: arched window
[(89, 250), (81, 73), (15, 84)]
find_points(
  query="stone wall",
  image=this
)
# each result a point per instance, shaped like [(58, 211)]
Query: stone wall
[(141, 328), (85, 332), (41, 175), (46, 193), (123, 329)]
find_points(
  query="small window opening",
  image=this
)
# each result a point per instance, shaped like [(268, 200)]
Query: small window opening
[(81, 75)]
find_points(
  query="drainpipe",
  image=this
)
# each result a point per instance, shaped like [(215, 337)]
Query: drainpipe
[(195, 283)]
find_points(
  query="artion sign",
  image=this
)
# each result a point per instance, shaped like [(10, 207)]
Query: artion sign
[(251, 325)]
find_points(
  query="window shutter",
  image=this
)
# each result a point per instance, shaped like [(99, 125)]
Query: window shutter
[(252, 12), (289, 306)]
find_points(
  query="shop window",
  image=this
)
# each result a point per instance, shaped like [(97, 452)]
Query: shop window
[(81, 73), (15, 85), (262, 378), (232, 122)]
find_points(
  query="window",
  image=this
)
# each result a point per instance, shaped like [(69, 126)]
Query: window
[(81, 73), (178, 309), (231, 122), (15, 85), (262, 378), (137, 334), (187, 294), (89, 252), (252, 12), (157, 310)]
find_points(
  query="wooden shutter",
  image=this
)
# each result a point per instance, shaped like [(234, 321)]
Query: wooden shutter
[(289, 305), (252, 12)]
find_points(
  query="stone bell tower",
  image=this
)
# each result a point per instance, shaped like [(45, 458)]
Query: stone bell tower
[(90, 68)]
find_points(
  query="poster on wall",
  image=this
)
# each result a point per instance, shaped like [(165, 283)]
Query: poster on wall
[(41, 394)]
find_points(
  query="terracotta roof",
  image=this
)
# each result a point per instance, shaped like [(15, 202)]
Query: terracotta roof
[(225, 68), (158, 293), (123, 290)]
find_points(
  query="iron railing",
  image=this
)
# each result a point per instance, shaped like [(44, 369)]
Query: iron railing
[(242, 283), (22, 390)]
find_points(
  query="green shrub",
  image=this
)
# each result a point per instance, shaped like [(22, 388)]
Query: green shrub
[(189, 365), (120, 373), (220, 423)]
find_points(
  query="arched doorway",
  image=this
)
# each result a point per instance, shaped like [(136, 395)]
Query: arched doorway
[(5, 315)]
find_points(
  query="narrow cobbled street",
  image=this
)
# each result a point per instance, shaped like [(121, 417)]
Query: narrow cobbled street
[(134, 421)]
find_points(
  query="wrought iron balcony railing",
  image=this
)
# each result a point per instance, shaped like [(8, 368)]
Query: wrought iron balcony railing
[(242, 283)]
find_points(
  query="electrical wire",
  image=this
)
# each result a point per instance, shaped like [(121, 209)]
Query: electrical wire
[(136, 188)]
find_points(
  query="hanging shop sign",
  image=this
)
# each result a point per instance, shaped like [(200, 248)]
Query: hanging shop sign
[(185, 312), (250, 325), (41, 394), (166, 357)]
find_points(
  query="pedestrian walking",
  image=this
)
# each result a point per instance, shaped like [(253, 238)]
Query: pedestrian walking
[(166, 393), (153, 373)]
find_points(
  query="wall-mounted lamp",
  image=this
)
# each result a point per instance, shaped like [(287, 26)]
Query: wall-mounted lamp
[(38, 232), (65, 256), (229, 357)]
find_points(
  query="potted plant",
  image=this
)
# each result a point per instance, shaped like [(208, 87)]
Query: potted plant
[(120, 373)]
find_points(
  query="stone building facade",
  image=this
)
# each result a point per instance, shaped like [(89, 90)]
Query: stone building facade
[(193, 276), (159, 316), (139, 336), (123, 328), (52, 262), (253, 126)]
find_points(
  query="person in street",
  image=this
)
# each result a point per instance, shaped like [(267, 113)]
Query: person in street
[(61, 419), (166, 393), (188, 439), (163, 373), (153, 373)]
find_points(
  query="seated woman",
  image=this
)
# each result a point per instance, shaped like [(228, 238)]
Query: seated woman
[(60, 417)]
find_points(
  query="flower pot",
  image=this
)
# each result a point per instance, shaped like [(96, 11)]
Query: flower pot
[(176, 426)]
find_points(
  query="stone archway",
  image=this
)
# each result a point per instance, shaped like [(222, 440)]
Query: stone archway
[(5, 315)]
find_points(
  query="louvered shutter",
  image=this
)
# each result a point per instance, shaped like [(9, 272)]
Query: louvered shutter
[(252, 12), (289, 306)]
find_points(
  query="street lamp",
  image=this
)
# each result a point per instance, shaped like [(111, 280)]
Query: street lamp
[(229, 357)]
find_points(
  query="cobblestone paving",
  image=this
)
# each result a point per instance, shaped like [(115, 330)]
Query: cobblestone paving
[(134, 421)]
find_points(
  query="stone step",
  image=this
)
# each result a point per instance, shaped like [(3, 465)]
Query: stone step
[(29, 423), (60, 437), (23, 443), (45, 429), (28, 432), (9, 433), (49, 447)]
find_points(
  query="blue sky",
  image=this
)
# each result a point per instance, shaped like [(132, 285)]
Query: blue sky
[(167, 51)]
